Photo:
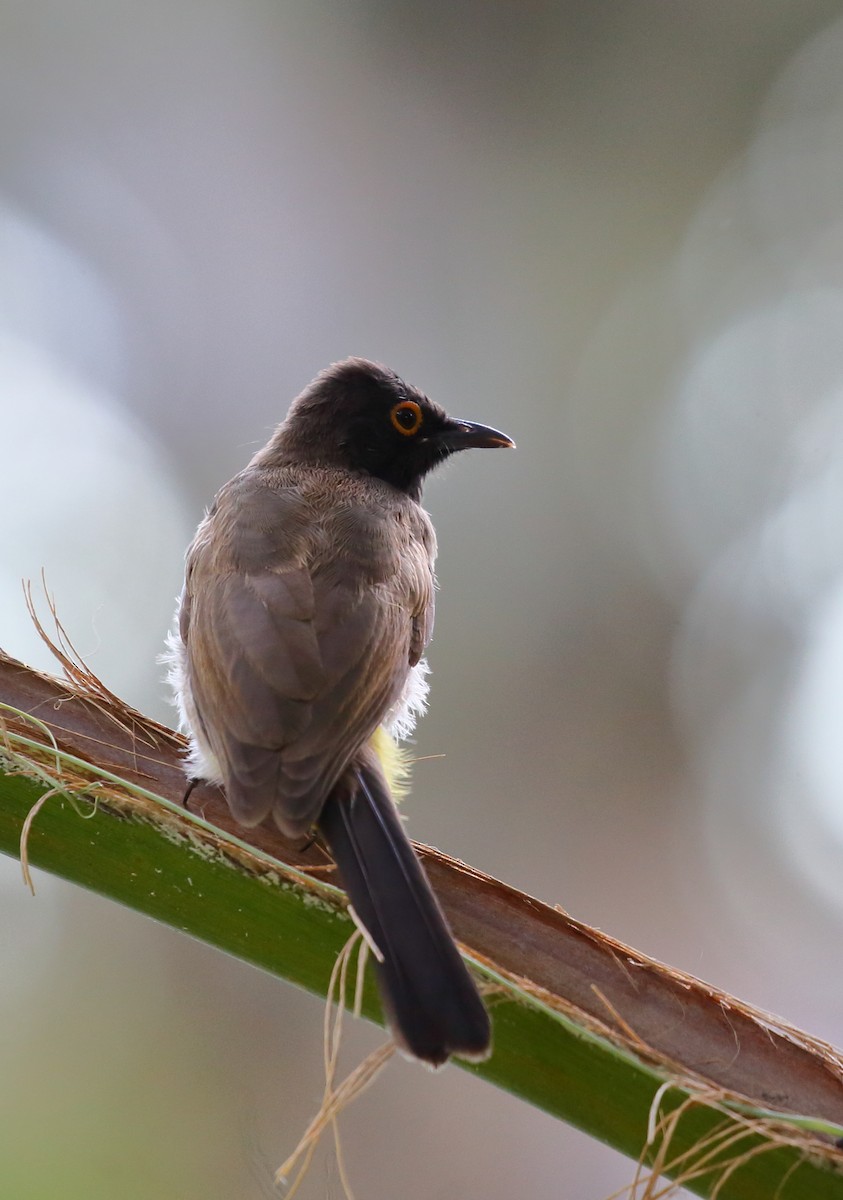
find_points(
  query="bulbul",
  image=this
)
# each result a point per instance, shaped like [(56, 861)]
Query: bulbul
[(306, 610)]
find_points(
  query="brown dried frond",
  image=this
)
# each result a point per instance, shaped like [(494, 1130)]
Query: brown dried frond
[(86, 682)]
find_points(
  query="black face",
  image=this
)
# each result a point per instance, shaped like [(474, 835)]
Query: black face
[(397, 435), (362, 416)]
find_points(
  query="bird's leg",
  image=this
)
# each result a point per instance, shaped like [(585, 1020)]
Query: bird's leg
[(315, 838), (191, 784), (309, 841)]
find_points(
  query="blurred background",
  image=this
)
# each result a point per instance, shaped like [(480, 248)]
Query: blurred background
[(614, 230)]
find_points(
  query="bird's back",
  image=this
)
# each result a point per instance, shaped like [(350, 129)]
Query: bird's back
[(308, 600)]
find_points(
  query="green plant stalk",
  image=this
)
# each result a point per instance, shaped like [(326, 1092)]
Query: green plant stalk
[(278, 919)]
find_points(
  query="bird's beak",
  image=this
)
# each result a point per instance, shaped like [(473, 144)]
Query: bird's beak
[(462, 435)]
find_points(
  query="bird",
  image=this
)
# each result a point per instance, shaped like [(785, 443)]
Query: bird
[(297, 663)]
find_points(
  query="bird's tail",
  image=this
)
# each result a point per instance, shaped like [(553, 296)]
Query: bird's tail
[(431, 1002)]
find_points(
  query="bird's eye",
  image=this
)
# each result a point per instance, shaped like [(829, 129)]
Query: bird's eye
[(406, 417)]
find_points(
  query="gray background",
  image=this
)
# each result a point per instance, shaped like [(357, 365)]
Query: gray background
[(611, 229)]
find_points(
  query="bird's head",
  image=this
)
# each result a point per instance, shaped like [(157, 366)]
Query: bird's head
[(363, 417)]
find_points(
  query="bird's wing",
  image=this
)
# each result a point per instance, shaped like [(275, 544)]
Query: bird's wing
[(293, 666)]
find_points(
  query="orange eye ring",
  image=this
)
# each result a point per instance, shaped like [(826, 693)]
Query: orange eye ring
[(406, 417)]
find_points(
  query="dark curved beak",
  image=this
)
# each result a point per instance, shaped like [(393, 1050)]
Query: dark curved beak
[(462, 435)]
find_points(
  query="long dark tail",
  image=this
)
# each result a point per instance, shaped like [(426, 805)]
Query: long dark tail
[(431, 1002)]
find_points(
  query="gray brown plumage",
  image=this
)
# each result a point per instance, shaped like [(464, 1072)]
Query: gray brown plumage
[(307, 607)]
